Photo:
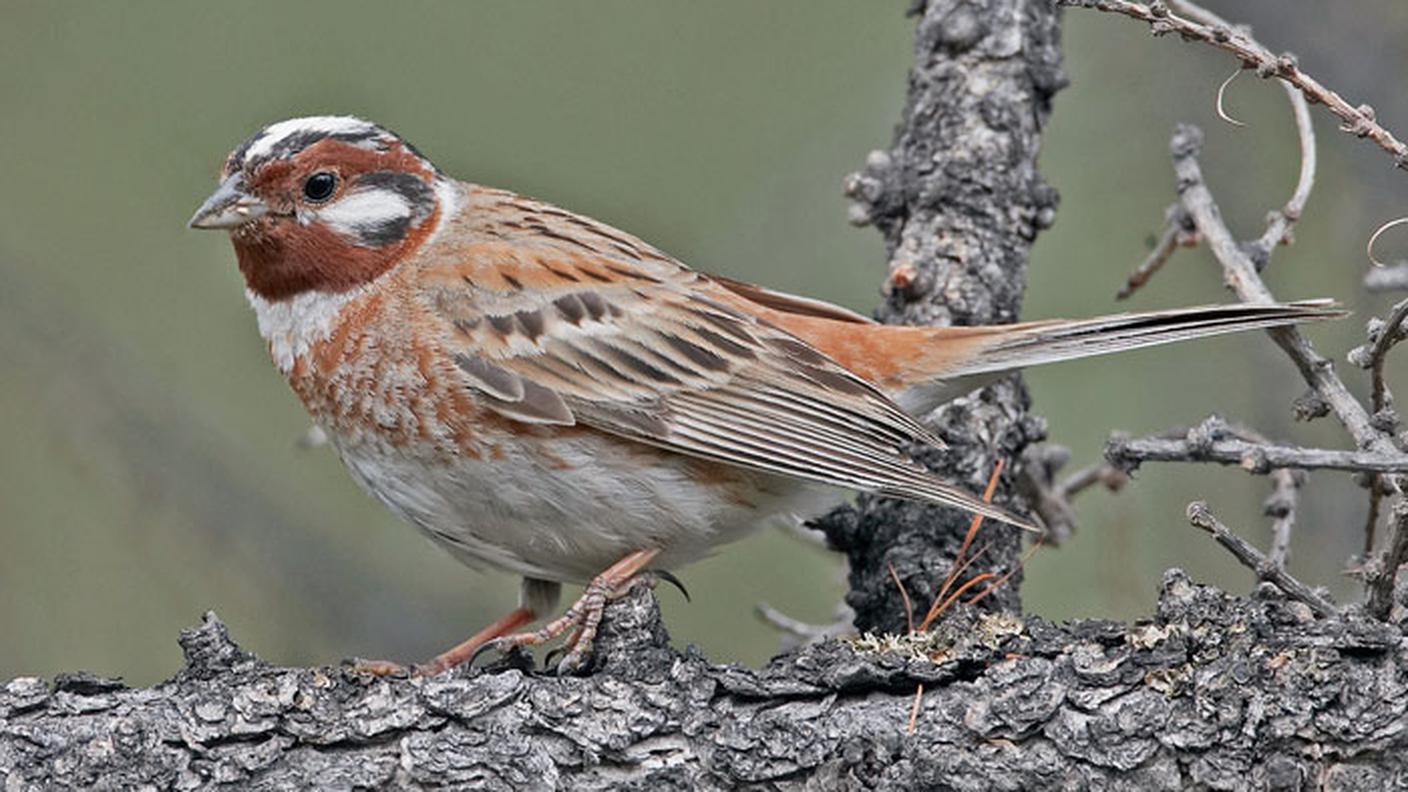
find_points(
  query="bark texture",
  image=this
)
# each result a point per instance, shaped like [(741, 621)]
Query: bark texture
[(1216, 692), (959, 201)]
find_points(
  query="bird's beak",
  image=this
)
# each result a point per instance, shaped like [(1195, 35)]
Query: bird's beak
[(229, 206)]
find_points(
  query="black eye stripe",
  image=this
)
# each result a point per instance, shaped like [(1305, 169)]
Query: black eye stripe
[(419, 195)]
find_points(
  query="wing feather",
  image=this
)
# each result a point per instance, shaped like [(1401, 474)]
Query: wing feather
[(656, 353)]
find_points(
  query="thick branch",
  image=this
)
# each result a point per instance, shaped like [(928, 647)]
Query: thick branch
[(959, 201), (1007, 704)]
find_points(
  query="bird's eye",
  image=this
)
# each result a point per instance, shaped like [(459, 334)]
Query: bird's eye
[(320, 186)]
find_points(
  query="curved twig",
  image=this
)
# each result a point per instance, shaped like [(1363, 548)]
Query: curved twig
[(1278, 228), (1221, 90), (1358, 121), (1369, 247)]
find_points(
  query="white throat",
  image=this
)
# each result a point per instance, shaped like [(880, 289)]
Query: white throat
[(294, 325)]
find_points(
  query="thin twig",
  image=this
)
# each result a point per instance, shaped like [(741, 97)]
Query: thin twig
[(1381, 581), (1201, 517), (1383, 336), (904, 595), (1052, 500), (805, 632), (914, 710), (1358, 121), (1389, 335), (1280, 506), (1178, 232), (1238, 443), (1278, 228), (1221, 93), (1259, 458), (1105, 474), (1374, 237), (1241, 275)]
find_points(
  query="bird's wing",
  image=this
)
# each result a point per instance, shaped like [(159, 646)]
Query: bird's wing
[(564, 332)]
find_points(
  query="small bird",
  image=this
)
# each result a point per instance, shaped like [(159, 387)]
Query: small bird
[(542, 393)]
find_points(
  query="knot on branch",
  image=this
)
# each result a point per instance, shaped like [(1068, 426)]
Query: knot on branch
[(210, 651), (1201, 438), (1310, 405), (1117, 453), (875, 192), (1186, 143)]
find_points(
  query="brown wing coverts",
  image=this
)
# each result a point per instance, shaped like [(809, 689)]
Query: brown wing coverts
[(657, 355)]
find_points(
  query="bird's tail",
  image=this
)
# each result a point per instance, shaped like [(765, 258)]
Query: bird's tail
[(954, 360)]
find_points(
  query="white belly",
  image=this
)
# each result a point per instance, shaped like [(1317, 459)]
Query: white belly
[(570, 515)]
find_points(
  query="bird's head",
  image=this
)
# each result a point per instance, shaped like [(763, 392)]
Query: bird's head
[(322, 203)]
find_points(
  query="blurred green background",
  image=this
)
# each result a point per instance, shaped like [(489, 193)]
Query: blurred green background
[(148, 468)]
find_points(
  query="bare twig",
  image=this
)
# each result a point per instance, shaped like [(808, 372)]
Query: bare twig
[(914, 710), (1111, 477), (1215, 440), (803, 632), (1221, 92), (1280, 506), (1383, 335), (1358, 121), (1259, 458), (1052, 499), (1178, 232), (1381, 581), (1374, 237), (1241, 275), (1201, 517), (904, 595), (1388, 335), (1281, 221)]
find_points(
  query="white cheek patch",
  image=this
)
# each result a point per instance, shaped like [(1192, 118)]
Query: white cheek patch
[(369, 217)]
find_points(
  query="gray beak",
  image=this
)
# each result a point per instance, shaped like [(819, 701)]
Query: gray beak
[(228, 207)]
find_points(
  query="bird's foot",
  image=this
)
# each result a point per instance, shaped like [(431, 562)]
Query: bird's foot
[(584, 617)]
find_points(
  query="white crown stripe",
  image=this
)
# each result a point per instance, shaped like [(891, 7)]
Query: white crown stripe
[(274, 134)]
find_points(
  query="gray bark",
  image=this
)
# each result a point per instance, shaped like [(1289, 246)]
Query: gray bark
[(1215, 691), (960, 201)]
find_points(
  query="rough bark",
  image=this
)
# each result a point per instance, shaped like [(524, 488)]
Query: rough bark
[(1215, 692), (959, 200)]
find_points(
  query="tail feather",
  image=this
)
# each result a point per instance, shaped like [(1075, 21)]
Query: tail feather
[(993, 351), (1048, 342)]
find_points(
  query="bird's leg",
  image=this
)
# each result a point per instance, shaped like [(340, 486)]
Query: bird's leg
[(535, 598), (585, 614)]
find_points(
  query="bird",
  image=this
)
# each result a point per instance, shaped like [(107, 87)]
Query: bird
[(542, 393)]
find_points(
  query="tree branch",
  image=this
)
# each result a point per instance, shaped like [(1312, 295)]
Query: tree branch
[(1007, 704), (1265, 569), (1358, 121), (959, 201), (1260, 458), (1241, 275)]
